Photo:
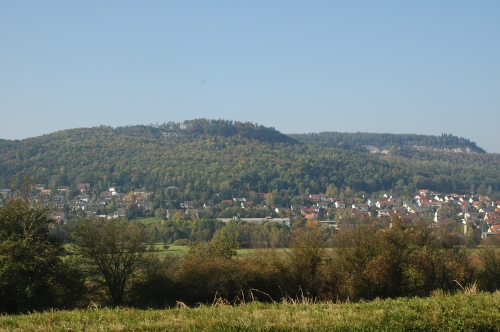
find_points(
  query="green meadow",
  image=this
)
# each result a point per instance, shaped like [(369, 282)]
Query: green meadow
[(467, 311)]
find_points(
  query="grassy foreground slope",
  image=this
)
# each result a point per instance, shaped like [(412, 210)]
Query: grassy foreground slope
[(460, 312)]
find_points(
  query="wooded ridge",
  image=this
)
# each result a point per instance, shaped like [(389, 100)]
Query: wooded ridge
[(206, 157)]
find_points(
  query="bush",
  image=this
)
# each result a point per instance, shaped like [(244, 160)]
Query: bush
[(489, 269), (265, 276), (306, 260), (154, 286), (401, 260)]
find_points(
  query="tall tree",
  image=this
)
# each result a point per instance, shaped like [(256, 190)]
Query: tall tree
[(33, 275), (111, 252)]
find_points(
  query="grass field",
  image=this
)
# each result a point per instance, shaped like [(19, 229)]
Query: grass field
[(460, 312), (150, 220), (179, 250)]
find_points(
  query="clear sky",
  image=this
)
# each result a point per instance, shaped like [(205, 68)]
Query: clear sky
[(426, 67)]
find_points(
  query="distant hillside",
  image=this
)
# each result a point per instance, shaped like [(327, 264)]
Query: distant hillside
[(204, 158), (380, 142)]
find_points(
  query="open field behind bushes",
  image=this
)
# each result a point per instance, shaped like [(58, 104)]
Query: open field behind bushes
[(440, 312)]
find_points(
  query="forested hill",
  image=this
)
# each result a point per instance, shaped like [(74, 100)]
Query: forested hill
[(371, 141), (207, 157)]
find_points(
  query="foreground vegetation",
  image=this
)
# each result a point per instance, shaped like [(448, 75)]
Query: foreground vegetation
[(116, 263), (460, 312)]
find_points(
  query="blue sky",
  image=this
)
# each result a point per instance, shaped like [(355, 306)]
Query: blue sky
[(426, 67)]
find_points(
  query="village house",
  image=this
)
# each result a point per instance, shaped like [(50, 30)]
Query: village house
[(340, 205), (471, 215), (101, 202), (317, 197), (77, 205), (423, 192), (58, 206), (140, 191), (58, 216), (360, 207), (400, 210), (322, 205), (384, 213), (451, 198), (296, 208), (187, 205), (92, 211), (385, 204), (58, 199), (360, 214), (491, 218), (311, 216), (464, 206), (427, 204), (145, 205), (84, 198), (463, 198), (127, 198), (83, 187), (106, 195), (63, 189), (485, 199), (119, 204), (412, 209), (307, 210), (114, 191), (475, 205), (208, 205), (121, 212)]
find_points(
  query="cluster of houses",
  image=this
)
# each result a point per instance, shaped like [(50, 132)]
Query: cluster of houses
[(474, 209), (107, 204), (328, 207)]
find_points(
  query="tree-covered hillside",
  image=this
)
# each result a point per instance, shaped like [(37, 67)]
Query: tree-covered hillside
[(208, 157)]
